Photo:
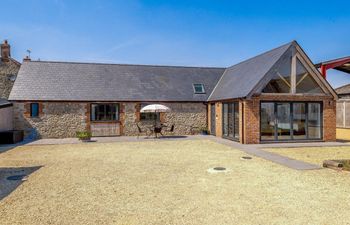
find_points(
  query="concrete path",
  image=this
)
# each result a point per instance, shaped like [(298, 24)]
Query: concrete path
[(301, 145), (276, 158)]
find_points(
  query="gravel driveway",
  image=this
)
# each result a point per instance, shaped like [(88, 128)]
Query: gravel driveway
[(167, 182)]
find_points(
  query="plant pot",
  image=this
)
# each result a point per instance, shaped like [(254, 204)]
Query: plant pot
[(86, 139)]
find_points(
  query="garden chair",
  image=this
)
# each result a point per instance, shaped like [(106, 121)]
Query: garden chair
[(140, 131), (171, 130)]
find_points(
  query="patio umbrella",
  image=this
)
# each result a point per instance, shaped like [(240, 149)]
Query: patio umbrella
[(155, 108)]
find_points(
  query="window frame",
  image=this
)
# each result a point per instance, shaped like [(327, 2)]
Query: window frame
[(297, 57), (292, 139), (195, 91), (31, 110), (105, 112), (234, 106)]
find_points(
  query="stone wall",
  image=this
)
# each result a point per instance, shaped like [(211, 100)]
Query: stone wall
[(63, 119), (186, 117), (56, 120), (7, 70)]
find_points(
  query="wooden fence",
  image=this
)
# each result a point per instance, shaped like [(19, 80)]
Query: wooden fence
[(343, 113)]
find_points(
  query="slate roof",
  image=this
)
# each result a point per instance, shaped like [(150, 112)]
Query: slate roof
[(343, 90), (239, 80), (65, 81), (68, 81)]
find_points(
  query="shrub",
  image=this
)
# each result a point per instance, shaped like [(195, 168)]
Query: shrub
[(204, 130), (83, 135)]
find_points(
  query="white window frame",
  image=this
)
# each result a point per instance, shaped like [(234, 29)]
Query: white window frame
[(194, 88)]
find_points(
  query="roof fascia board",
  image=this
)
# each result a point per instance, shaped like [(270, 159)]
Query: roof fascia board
[(315, 71), (312, 73), (223, 74)]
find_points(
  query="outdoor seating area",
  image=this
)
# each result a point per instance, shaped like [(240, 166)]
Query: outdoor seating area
[(156, 128)]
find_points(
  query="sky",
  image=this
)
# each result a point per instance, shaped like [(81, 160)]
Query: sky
[(191, 33)]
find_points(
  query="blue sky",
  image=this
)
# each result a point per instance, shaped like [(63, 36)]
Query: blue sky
[(196, 33)]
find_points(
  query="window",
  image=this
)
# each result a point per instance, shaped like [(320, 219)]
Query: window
[(149, 116), (104, 112), (314, 120), (290, 121), (304, 81), (281, 80), (198, 88), (267, 121), (230, 120), (34, 110), (290, 75)]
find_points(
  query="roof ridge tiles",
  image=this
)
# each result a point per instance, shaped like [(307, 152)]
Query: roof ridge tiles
[(125, 64)]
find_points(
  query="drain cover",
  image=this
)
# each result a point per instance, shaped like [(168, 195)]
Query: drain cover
[(17, 177), (246, 157), (219, 168)]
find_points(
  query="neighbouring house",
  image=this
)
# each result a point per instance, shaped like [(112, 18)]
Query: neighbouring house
[(343, 112), (6, 120), (276, 96), (9, 68), (343, 103)]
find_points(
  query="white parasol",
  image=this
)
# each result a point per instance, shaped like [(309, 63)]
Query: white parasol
[(155, 108)]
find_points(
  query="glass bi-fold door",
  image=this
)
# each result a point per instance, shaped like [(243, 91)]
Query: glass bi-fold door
[(283, 121)]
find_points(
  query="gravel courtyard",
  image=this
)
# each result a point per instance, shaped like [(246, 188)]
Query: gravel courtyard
[(167, 182)]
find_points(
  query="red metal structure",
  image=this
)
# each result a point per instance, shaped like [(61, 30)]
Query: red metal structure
[(341, 64)]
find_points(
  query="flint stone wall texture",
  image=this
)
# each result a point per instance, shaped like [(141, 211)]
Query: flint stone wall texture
[(56, 120), (7, 70), (63, 119), (186, 117)]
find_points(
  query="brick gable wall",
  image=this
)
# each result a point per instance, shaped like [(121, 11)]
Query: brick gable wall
[(250, 115)]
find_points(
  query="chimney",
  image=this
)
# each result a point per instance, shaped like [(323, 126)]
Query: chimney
[(5, 51), (26, 59)]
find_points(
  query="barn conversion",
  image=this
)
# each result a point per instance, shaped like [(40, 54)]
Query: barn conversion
[(276, 96)]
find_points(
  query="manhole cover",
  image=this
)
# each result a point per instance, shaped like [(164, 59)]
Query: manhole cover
[(219, 168), (246, 157), (17, 177)]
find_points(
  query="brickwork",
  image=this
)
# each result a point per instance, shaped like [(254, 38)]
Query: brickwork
[(209, 118), (252, 115), (218, 119)]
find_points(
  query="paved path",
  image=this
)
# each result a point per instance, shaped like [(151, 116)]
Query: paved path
[(256, 151), (301, 145)]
